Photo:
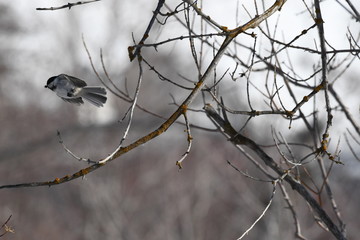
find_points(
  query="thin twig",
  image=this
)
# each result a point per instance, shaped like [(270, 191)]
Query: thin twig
[(189, 140), (134, 54), (131, 114), (293, 212), (246, 174), (69, 5), (70, 152), (262, 214), (351, 148), (6, 228)]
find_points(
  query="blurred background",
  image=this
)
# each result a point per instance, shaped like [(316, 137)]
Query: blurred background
[(141, 195)]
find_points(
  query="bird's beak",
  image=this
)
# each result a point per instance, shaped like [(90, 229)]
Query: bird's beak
[(45, 86)]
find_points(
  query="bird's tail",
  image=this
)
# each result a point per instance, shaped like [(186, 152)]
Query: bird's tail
[(95, 95)]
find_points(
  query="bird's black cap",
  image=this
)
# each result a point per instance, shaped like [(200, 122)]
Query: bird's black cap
[(50, 80)]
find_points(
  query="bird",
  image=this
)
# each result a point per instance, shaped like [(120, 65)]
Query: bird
[(74, 90)]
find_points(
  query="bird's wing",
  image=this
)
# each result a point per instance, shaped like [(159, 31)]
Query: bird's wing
[(77, 101), (77, 82)]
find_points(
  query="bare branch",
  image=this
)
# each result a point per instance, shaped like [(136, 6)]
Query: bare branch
[(238, 139), (132, 108), (133, 55), (262, 214), (232, 34), (7, 229), (70, 152), (189, 140), (69, 5)]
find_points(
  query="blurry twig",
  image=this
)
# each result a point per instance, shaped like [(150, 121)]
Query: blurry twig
[(203, 15), (69, 5), (293, 212), (344, 108), (246, 174), (120, 93), (355, 14), (282, 154), (349, 145), (126, 97), (6, 228), (134, 54)]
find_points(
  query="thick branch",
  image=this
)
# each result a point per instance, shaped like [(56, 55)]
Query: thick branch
[(238, 139)]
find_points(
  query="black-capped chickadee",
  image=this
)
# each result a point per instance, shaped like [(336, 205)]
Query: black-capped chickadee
[(73, 90)]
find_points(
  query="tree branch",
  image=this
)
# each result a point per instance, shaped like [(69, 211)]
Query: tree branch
[(69, 5), (238, 139)]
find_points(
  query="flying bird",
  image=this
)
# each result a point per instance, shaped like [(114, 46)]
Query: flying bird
[(74, 90)]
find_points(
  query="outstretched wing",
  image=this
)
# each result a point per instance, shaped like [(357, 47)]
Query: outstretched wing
[(77, 82), (77, 101)]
